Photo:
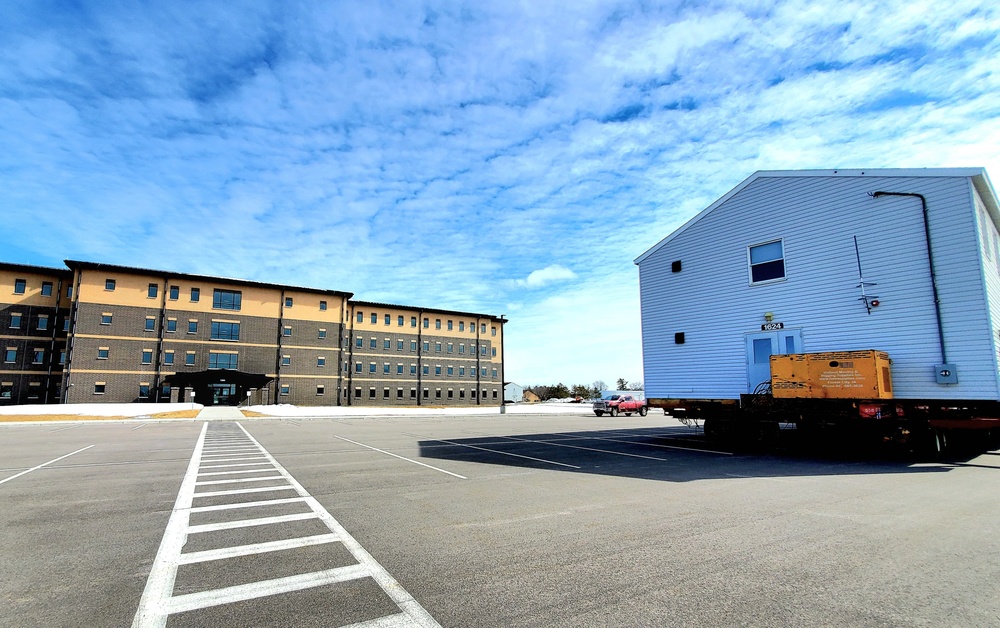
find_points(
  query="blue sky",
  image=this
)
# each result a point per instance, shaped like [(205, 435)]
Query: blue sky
[(505, 158)]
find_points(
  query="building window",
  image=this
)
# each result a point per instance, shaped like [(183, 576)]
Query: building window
[(43, 323), (399, 369), (372, 343), (386, 344), (62, 357), (437, 393), (437, 323), (320, 390), (195, 295), (20, 285), (427, 345), (285, 389), (413, 321), (388, 319), (192, 327), (451, 370), (472, 393), (359, 343), (413, 345), (286, 360), (223, 361), (288, 301), (437, 347), (374, 318), (225, 331), (493, 331), (147, 356), (109, 285), (461, 371), (451, 393), (286, 332), (483, 372), (494, 393), (399, 345), (493, 351), (10, 355), (69, 292), (361, 317), (357, 367), (371, 367), (322, 334), (106, 318), (767, 261), (413, 369), (46, 288), (150, 323), (99, 388), (143, 391), (371, 393), (38, 356), (399, 320), (461, 348), (461, 325), (227, 299), (385, 393), (321, 361), (482, 350), (175, 293), (426, 393), (413, 393), (357, 393), (461, 393), (437, 369), (15, 321), (450, 325), (385, 368), (103, 353), (189, 358), (168, 358), (399, 393), (7, 390), (427, 369), (494, 373), (451, 348), (322, 306), (171, 325), (151, 291), (66, 324)]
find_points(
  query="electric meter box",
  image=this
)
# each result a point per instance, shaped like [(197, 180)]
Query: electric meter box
[(832, 375)]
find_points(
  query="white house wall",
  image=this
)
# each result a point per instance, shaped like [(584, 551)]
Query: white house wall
[(989, 248), (712, 303)]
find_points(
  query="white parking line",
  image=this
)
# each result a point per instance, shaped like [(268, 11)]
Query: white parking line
[(503, 453), (382, 451), (235, 480), (268, 470), (44, 464), (242, 464), (266, 502), (137, 427), (249, 523), (240, 491), (257, 548), (603, 451)]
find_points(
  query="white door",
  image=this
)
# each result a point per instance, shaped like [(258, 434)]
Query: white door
[(761, 346)]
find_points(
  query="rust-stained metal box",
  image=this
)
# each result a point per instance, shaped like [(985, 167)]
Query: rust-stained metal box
[(832, 375)]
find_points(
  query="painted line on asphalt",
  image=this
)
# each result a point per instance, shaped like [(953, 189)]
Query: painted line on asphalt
[(257, 548), (241, 491), (389, 453), (250, 523), (603, 451), (45, 464), (63, 429), (614, 440), (139, 426), (230, 466), (494, 451), (266, 502), (237, 480), (244, 459), (236, 472)]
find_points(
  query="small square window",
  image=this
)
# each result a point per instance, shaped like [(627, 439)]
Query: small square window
[(109, 285), (321, 361), (286, 360), (43, 323), (144, 391), (451, 370), (372, 343), (321, 390), (767, 261), (38, 356), (322, 306), (286, 332), (192, 327), (171, 325), (357, 367), (322, 334), (371, 393), (147, 356), (386, 344), (46, 288), (151, 291), (189, 359), (150, 324), (359, 343), (15, 321), (99, 388), (10, 355), (385, 368), (168, 358), (288, 301), (437, 393), (103, 353), (285, 389), (371, 367), (175, 293), (105, 319), (357, 393), (20, 286), (195, 295)]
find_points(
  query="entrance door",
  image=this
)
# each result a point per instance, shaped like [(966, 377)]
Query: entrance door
[(223, 394), (761, 346)]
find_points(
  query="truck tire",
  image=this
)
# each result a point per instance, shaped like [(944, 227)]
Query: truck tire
[(643, 410), (614, 412), (598, 413)]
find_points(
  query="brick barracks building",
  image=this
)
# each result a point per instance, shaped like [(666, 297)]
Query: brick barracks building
[(103, 333)]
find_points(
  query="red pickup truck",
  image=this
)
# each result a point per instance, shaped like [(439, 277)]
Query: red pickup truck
[(624, 404)]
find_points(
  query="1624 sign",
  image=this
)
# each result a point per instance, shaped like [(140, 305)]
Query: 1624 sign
[(772, 326)]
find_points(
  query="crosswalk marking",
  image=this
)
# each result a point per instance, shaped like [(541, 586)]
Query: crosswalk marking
[(158, 600)]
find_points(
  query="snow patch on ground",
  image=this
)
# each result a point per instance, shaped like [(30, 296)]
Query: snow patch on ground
[(101, 409), (144, 409)]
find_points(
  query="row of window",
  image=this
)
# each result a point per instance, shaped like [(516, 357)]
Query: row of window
[(449, 393), (426, 368), (37, 356), (41, 324), (21, 286), (387, 344), (221, 330), (221, 299), (101, 388), (426, 322)]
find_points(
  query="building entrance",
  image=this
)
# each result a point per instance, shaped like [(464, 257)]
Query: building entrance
[(223, 394)]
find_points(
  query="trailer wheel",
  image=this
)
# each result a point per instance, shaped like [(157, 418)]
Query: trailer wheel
[(614, 412), (643, 411), (598, 413)]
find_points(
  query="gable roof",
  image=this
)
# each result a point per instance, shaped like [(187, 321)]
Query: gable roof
[(978, 175)]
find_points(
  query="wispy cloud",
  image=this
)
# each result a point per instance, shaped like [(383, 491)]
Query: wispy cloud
[(458, 155)]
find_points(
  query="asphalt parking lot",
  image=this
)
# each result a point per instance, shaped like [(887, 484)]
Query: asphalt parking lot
[(505, 520)]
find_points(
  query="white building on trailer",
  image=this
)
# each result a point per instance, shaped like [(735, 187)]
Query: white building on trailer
[(902, 261)]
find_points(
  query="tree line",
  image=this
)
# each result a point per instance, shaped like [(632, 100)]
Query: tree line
[(561, 391)]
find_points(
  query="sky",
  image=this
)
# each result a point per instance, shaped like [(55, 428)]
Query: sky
[(505, 158)]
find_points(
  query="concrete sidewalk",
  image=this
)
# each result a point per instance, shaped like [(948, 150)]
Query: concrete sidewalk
[(223, 413)]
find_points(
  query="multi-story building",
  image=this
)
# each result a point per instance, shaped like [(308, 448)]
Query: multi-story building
[(106, 333)]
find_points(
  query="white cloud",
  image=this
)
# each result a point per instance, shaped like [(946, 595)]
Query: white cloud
[(549, 274)]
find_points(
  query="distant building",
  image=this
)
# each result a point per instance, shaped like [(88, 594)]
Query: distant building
[(513, 392), (103, 333), (530, 397)]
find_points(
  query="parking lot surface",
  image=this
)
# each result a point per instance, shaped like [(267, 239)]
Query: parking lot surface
[(500, 520)]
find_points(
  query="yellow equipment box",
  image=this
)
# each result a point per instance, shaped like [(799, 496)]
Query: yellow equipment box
[(832, 375)]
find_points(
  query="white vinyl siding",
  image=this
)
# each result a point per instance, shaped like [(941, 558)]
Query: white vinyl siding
[(817, 217)]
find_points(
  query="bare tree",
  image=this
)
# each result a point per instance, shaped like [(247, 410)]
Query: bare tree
[(635, 386), (598, 387)]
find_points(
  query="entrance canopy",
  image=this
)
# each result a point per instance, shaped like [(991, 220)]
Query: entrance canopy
[(218, 386)]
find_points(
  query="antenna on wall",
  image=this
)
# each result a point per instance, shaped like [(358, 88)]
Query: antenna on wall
[(870, 300)]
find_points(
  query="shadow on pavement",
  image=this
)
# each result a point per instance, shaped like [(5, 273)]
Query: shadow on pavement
[(676, 454)]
